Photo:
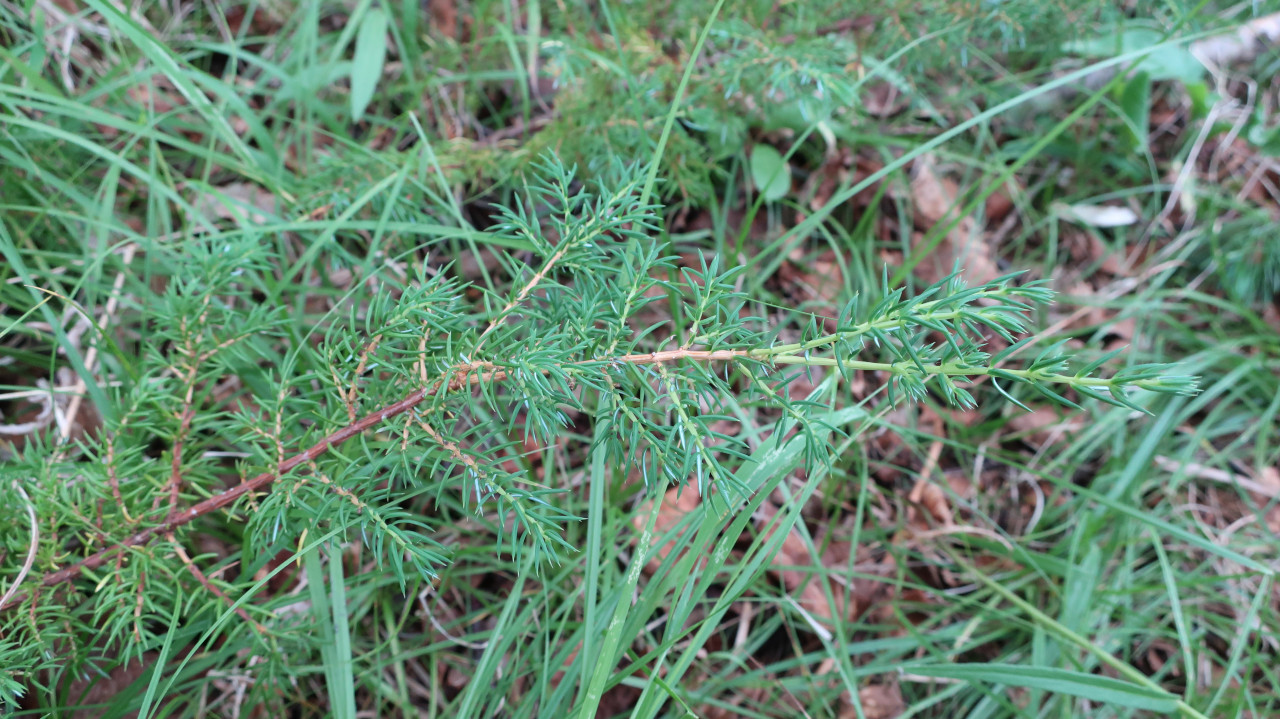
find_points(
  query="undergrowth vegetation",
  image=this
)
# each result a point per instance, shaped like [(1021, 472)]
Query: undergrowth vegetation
[(710, 359)]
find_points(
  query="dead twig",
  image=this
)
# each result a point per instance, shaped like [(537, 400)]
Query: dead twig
[(31, 550)]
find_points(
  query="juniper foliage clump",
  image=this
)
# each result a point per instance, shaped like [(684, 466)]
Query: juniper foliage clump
[(414, 409)]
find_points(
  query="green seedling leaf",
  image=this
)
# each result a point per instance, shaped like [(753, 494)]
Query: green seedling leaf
[(366, 68), (1262, 134), (1135, 103), (770, 173), (1202, 98)]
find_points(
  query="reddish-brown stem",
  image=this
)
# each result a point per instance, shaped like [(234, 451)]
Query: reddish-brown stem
[(204, 581), (114, 481), (175, 468), (350, 395), (184, 419), (462, 376), (137, 606)]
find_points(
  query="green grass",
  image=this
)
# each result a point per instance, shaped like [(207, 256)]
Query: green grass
[(1118, 569)]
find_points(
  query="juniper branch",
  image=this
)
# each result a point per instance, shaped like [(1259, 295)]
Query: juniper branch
[(480, 373), (462, 375)]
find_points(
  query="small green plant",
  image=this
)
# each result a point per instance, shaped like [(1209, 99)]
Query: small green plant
[(414, 405)]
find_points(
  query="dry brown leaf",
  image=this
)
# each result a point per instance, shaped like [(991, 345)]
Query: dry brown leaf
[(879, 701), (883, 99), (729, 709), (1043, 426), (232, 202), (935, 204), (813, 599), (102, 690), (160, 95), (568, 662), (1109, 262), (1123, 329), (890, 447), (1271, 315), (794, 552), (961, 485), (618, 700), (931, 498), (964, 417), (999, 204), (157, 94), (833, 171), (456, 679), (1083, 316), (675, 505), (444, 17), (1120, 334), (264, 22), (808, 278)]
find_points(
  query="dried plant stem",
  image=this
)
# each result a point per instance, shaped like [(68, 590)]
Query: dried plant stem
[(31, 551)]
